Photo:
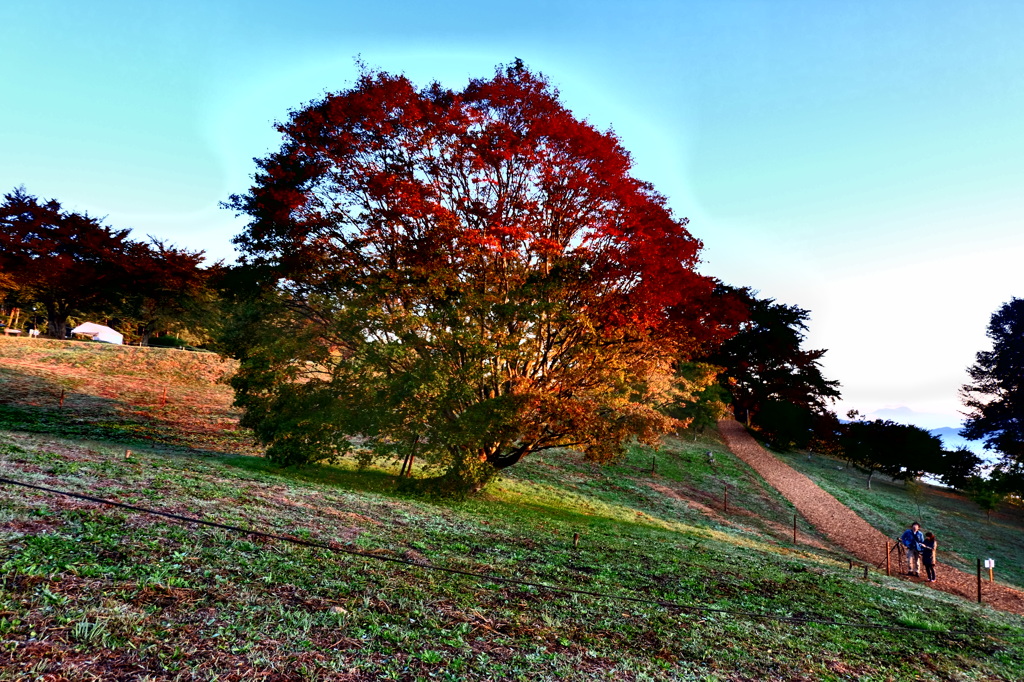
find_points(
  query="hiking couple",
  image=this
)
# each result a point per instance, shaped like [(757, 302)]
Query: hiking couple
[(920, 550)]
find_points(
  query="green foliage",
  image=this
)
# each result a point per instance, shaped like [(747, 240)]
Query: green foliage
[(985, 493), (766, 363), (167, 340), (701, 400), (995, 396), (473, 275), (915, 490), (900, 451)]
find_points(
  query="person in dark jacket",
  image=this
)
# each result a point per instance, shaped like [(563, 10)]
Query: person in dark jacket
[(912, 539), (928, 554)]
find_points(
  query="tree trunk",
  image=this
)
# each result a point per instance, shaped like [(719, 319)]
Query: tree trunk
[(57, 319), (58, 326), (870, 474), (503, 460), (410, 457)]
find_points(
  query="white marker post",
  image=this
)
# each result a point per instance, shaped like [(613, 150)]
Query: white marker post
[(990, 564)]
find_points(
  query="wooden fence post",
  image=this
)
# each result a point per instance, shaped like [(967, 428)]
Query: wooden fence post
[(888, 551), (725, 504), (794, 528), (62, 398), (865, 571), (979, 580), (575, 539)]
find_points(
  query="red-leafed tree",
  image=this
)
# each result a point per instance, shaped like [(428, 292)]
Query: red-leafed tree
[(469, 276), (69, 262), (171, 290), (73, 265)]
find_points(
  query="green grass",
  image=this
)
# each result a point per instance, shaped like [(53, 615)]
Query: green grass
[(88, 588), (121, 393), (88, 591), (964, 532)]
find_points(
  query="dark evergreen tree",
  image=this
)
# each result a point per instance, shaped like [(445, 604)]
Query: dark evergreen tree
[(995, 396), (776, 384), (766, 362), (786, 425), (958, 467)]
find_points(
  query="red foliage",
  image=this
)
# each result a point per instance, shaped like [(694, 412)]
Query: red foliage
[(72, 264), (496, 213)]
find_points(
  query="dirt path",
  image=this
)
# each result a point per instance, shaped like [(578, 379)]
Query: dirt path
[(847, 530)]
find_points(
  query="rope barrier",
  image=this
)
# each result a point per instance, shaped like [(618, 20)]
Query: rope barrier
[(334, 547)]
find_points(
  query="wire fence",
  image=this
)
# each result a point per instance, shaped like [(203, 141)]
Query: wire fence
[(493, 578)]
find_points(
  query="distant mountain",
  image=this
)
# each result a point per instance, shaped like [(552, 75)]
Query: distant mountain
[(948, 433), (952, 440)]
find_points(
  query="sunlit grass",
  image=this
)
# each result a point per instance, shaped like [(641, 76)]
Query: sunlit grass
[(963, 530), (81, 584)]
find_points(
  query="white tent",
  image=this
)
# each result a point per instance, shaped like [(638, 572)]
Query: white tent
[(97, 332)]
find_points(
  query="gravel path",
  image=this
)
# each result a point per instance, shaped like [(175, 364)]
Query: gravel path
[(845, 528)]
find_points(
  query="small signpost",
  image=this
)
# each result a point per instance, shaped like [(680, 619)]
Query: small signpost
[(990, 564)]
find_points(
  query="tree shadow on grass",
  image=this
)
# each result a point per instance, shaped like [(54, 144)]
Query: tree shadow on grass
[(370, 479), (32, 392), (66, 407)]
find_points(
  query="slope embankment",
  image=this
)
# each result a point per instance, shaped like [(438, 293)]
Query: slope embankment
[(844, 527)]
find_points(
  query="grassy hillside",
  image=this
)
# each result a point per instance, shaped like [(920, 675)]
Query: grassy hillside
[(964, 532), (154, 395), (87, 589)]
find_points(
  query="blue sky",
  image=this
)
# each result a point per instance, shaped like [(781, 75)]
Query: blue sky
[(862, 160)]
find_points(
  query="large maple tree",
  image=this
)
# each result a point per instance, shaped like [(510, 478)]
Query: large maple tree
[(468, 275)]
